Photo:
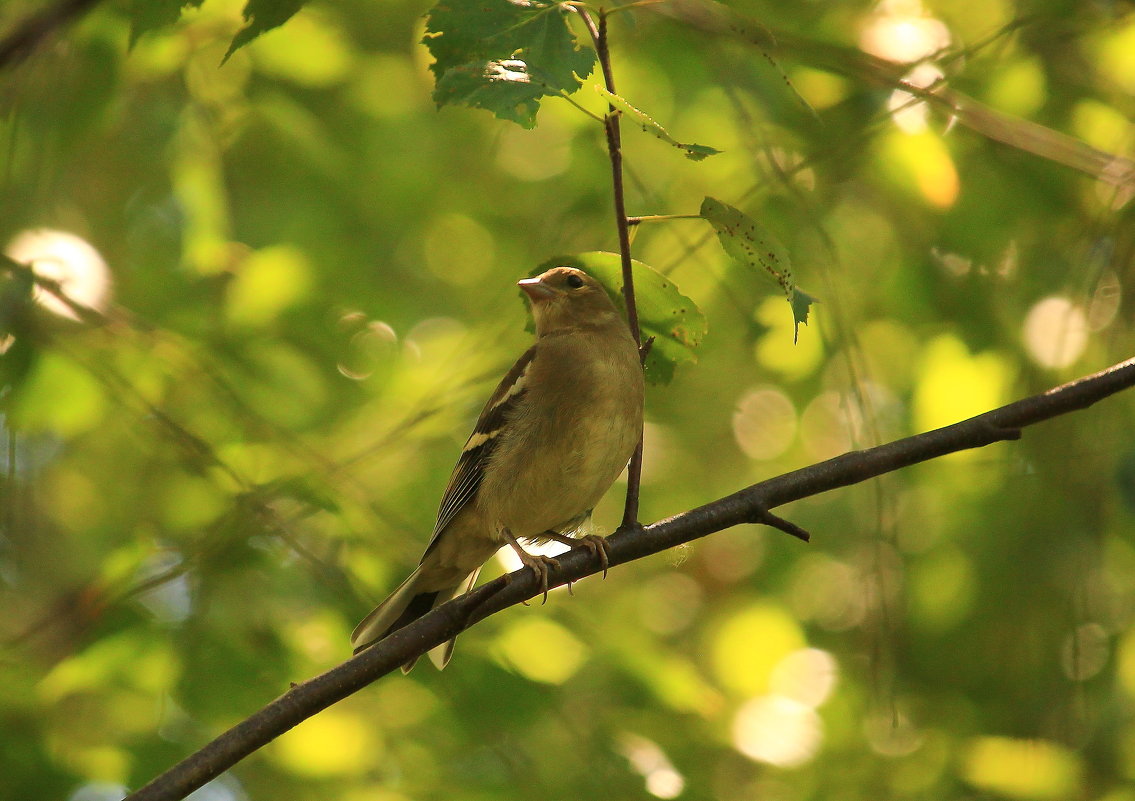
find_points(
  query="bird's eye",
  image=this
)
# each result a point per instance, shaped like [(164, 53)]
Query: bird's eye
[(574, 281)]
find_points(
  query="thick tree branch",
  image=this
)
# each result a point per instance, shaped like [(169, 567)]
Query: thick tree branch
[(750, 505)]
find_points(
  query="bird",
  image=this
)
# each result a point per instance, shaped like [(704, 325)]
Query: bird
[(550, 441)]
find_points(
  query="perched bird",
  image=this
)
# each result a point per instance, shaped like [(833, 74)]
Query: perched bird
[(552, 438)]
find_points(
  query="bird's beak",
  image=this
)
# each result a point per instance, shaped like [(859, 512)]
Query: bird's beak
[(536, 290)]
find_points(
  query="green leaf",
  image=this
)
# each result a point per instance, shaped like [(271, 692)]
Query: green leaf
[(503, 55), (675, 321), (801, 303), (754, 246), (650, 126), (261, 16), (149, 15)]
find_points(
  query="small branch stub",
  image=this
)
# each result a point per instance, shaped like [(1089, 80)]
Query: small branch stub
[(767, 518)]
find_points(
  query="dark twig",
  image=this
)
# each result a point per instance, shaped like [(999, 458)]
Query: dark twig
[(598, 33), (645, 348), (625, 545), (767, 518), (33, 30), (53, 288)]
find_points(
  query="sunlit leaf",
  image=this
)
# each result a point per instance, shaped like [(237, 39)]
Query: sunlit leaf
[(503, 55), (261, 16), (675, 321), (757, 248), (650, 126), (149, 15)]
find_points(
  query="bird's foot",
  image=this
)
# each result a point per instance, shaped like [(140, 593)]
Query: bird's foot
[(538, 563), (592, 543)]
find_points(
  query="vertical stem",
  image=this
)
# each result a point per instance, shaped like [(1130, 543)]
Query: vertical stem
[(615, 152), (8, 489)]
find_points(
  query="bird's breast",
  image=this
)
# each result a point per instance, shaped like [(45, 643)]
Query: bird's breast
[(554, 467)]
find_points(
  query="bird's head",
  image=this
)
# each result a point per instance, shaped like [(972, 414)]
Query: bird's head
[(564, 297)]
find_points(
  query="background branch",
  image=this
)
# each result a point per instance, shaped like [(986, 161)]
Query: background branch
[(714, 18), (749, 505), (29, 33)]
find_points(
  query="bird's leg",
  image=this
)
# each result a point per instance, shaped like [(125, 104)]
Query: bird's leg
[(538, 563), (593, 543)]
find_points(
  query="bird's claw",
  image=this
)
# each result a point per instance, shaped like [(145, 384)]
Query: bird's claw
[(540, 565), (596, 544), (593, 543)]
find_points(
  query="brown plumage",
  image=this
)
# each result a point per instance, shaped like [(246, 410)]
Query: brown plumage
[(551, 440)]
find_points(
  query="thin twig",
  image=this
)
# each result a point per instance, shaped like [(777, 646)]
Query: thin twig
[(306, 699), (598, 33), (632, 221), (54, 288)]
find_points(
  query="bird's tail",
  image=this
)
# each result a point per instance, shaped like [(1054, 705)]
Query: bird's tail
[(406, 604)]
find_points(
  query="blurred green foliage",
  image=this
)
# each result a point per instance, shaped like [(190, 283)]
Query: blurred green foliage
[(312, 290)]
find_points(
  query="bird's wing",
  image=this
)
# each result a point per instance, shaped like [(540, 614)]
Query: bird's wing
[(470, 468)]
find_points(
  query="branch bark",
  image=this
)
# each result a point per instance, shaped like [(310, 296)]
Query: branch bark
[(749, 505)]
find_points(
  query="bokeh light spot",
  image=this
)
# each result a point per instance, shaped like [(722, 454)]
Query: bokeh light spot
[(909, 113), (541, 650), (829, 426), (372, 343), (922, 162), (830, 592), (650, 761), (808, 676), (890, 733), (777, 730), (953, 385), (1019, 89), (68, 260), (776, 350), (99, 791), (1085, 651), (333, 743), (902, 31), (749, 645), (764, 423), (1027, 769), (266, 283), (1116, 55), (1055, 332)]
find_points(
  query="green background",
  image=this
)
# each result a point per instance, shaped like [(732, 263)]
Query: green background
[(312, 292)]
